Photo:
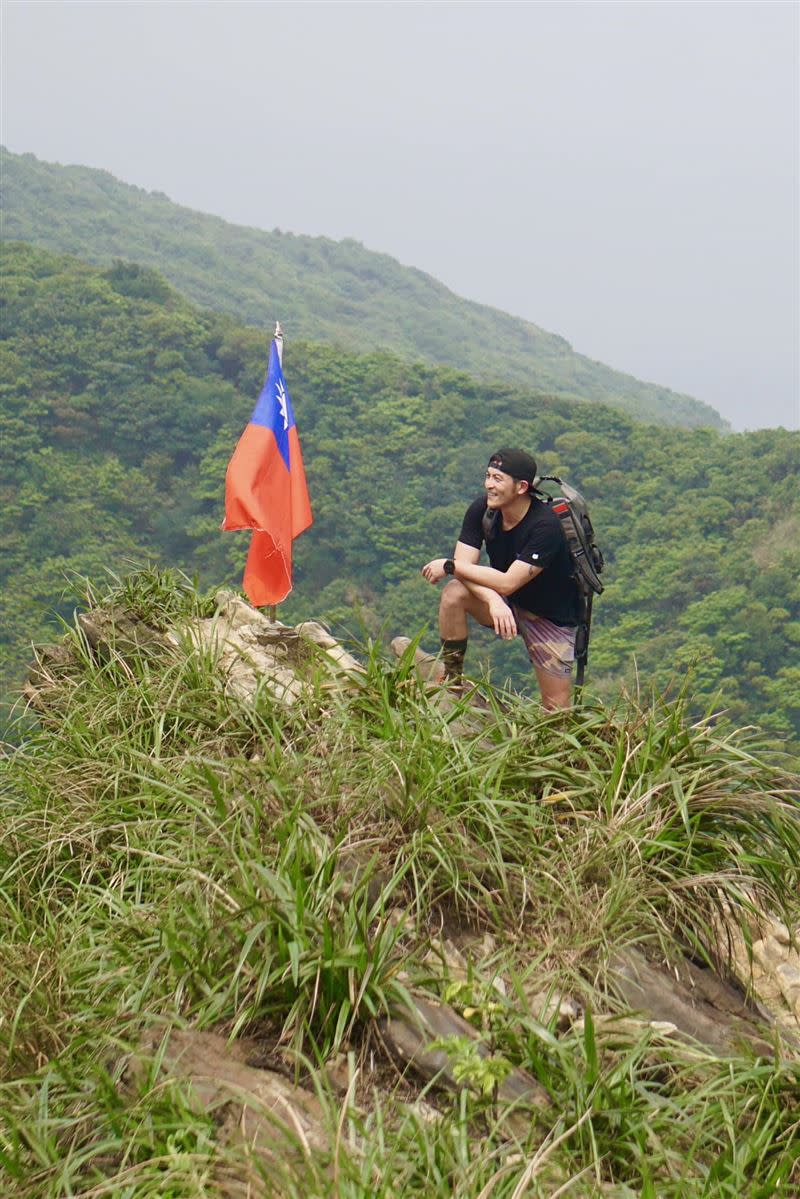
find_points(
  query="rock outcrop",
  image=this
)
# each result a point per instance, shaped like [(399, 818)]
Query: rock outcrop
[(252, 651)]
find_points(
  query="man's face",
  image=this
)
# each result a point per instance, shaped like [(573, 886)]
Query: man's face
[(500, 488)]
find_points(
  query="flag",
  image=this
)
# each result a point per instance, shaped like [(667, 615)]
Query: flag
[(265, 490)]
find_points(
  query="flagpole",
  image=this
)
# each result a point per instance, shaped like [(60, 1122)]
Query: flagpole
[(278, 336)]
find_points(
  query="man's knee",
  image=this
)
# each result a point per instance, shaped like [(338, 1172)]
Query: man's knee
[(455, 597), (556, 691)]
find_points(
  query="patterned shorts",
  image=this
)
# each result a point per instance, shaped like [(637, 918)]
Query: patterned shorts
[(551, 647)]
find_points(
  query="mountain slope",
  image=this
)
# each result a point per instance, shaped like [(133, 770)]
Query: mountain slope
[(120, 405), (321, 289)]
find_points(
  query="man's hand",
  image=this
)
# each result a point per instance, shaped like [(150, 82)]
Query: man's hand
[(503, 620), (434, 571)]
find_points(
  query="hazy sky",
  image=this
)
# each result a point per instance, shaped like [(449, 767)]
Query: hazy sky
[(623, 174)]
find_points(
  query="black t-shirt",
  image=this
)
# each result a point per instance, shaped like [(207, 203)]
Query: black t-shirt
[(539, 540)]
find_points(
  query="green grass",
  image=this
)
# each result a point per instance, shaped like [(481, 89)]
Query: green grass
[(173, 856)]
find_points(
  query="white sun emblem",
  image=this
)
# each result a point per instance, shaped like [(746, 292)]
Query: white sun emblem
[(282, 402)]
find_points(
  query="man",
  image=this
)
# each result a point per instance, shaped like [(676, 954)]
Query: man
[(527, 589)]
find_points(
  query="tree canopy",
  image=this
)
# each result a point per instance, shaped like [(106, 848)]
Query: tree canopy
[(121, 403), (323, 290)]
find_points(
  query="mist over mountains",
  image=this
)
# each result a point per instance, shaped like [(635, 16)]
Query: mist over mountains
[(322, 290)]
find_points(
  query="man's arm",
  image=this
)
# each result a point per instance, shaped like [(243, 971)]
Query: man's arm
[(485, 583), (501, 582), (502, 617), (468, 555)]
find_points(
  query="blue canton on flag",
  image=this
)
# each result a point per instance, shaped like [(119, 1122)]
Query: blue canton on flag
[(273, 407)]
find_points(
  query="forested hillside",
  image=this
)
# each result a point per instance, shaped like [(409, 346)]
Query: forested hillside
[(121, 405), (321, 289)]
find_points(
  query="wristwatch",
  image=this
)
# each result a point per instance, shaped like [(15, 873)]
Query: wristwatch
[(449, 566)]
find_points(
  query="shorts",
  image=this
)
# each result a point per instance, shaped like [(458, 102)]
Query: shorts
[(551, 647)]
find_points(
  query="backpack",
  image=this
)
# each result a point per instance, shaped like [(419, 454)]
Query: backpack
[(570, 507), (587, 557)]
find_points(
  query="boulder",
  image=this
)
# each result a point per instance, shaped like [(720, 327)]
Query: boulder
[(258, 1110), (763, 954), (701, 1006), (253, 651)]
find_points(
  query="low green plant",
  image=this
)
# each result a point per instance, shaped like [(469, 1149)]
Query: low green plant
[(478, 1072), (156, 595)]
